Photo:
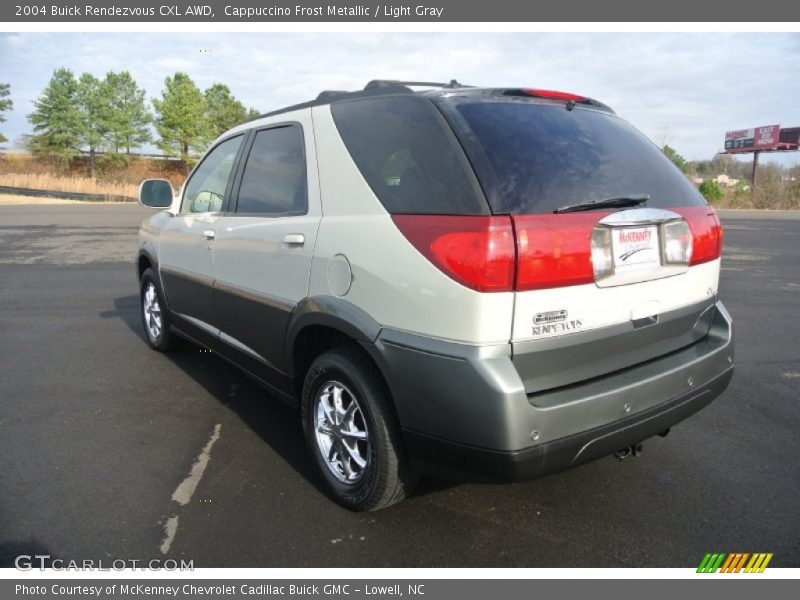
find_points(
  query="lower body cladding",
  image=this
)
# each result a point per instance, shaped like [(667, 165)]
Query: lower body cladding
[(466, 413)]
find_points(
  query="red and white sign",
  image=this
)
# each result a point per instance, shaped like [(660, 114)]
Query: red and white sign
[(757, 138), (739, 134), (767, 136)]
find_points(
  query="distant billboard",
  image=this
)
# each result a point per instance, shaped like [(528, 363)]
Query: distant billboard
[(757, 138)]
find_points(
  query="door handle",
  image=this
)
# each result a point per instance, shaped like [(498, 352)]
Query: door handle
[(209, 234), (294, 239)]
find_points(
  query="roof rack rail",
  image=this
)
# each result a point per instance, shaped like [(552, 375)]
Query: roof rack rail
[(376, 87), (380, 83)]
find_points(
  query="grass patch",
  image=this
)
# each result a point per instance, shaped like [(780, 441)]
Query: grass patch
[(118, 177), (6, 199), (83, 185)]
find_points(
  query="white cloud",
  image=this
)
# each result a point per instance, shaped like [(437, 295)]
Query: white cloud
[(173, 64), (14, 40)]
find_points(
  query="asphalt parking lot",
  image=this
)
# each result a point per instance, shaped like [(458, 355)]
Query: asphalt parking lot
[(98, 435)]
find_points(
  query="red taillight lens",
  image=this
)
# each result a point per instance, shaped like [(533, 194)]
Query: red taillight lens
[(476, 251), (555, 250), (553, 94), (706, 233), (532, 252)]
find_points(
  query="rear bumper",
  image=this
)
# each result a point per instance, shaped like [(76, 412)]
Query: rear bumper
[(465, 412), (449, 459)]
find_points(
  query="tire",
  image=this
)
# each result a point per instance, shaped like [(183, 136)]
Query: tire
[(369, 431), (155, 315)]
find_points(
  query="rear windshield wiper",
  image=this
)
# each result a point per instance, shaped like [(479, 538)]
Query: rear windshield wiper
[(615, 202)]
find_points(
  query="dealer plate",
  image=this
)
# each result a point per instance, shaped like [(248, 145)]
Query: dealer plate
[(635, 247)]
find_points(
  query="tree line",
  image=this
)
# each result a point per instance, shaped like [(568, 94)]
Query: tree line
[(6, 104), (111, 114), (778, 186)]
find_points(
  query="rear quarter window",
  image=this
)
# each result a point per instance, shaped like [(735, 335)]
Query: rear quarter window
[(539, 157), (409, 156)]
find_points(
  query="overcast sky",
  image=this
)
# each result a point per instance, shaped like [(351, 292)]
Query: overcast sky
[(685, 89)]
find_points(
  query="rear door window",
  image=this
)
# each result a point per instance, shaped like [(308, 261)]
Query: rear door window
[(538, 157), (409, 156)]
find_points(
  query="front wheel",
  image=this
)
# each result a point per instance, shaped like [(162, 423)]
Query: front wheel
[(352, 432), (155, 316)]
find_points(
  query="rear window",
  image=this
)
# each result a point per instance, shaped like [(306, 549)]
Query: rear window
[(533, 158), (409, 156)]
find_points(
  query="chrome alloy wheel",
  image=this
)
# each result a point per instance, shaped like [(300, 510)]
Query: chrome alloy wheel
[(341, 432), (152, 312)]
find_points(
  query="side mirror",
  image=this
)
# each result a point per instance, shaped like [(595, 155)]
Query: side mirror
[(155, 193)]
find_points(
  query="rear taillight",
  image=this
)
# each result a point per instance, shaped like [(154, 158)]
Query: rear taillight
[(676, 243), (706, 233), (602, 256), (476, 251), (531, 252), (555, 250)]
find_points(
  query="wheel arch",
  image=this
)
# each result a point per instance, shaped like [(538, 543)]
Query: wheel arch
[(323, 322), (144, 261)]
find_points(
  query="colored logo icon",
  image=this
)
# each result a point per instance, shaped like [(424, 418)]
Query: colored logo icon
[(737, 562)]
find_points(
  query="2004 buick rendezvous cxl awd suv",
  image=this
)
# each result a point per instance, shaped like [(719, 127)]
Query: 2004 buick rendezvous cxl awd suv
[(490, 284)]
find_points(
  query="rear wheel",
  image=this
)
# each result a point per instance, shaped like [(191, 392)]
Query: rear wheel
[(352, 432), (155, 316)]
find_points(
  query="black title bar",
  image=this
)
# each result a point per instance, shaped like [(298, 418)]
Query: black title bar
[(32, 11)]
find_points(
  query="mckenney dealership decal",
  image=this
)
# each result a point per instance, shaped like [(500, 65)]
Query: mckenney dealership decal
[(554, 321), (635, 246), (634, 241), (552, 316)]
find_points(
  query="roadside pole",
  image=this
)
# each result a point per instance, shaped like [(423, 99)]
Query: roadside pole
[(755, 171)]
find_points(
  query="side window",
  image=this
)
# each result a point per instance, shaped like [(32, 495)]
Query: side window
[(274, 178), (205, 190), (409, 156)]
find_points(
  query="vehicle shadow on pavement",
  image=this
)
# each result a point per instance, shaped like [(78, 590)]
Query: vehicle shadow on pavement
[(269, 418)]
